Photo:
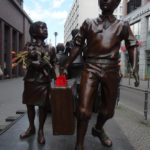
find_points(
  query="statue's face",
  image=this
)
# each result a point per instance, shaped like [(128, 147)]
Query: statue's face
[(42, 32), (108, 5)]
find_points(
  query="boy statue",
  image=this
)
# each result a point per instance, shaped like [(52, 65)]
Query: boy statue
[(38, 77), (104, 35)]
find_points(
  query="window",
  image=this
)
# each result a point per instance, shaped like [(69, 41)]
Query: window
[(148, 62), (148, 34), (121, 9), (132, 5), (148, 48), (6, 48), (127, 64), (136, 29)]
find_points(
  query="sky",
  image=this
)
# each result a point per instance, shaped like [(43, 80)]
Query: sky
[(52, 12)]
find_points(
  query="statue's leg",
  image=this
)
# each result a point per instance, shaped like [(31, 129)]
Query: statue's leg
[(31, 115), (109, 87), (88, 90), (42, 118)]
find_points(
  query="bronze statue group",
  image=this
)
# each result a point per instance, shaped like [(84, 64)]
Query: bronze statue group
[(103, 36)]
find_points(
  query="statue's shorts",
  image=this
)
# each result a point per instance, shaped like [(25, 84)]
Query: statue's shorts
[(108, 76)]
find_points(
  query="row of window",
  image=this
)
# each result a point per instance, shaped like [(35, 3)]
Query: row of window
[(72, 21), (16, 45), (72, 13)]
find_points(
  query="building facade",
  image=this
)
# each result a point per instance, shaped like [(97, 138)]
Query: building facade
[(81, 10), (14, 33), (137, 13)]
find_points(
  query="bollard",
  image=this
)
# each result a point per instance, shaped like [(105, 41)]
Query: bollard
[(146, 106), (148, 83), (129, 82), (118, 95)]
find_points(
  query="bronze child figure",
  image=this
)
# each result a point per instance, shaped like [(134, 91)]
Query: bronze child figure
[(104, 35), (38, 77)]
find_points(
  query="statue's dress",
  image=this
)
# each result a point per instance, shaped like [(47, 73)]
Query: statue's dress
[(38, 76)]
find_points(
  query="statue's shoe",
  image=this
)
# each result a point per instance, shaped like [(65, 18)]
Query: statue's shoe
[(27, 133), (41, 139), (105, 140), (79, 147)]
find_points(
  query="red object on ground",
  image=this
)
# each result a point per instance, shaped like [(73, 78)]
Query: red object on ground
[(61, 81)]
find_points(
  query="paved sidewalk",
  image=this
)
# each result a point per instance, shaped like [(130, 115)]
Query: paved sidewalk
[(133, 127), (129, 121), (10, 99), (62, 142)]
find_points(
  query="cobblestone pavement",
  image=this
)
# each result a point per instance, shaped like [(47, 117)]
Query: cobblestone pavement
[(133, 127)]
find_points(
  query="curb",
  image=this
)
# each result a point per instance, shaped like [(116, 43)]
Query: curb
[(135, 88)]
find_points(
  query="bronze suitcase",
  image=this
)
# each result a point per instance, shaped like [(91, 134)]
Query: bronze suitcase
[(62, 106)]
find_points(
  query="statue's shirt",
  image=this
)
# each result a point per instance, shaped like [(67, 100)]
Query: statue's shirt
[(104, 35), (42, 72)]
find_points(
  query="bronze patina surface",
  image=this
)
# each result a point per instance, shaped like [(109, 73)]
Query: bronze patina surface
[(38, 77), (104, 35)]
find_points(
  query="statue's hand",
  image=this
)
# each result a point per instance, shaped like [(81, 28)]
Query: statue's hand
[(57, 73), (136, 77), (64, 72)]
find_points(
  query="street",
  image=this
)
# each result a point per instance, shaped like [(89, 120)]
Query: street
[(134, 99)]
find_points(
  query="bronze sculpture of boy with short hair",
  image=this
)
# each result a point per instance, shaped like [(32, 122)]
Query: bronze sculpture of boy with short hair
[(104, 35)]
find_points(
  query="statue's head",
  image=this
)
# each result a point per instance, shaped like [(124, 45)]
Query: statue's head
[(38, 30), (60, 47), (74, 32), (108, 5)]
